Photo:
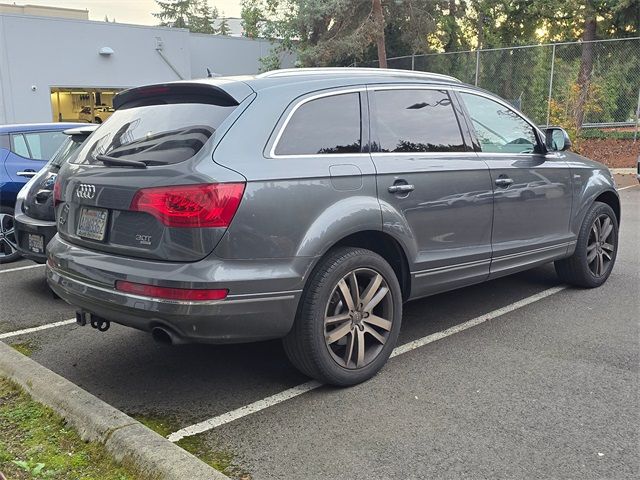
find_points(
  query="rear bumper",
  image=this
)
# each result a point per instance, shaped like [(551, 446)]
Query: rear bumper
[(24, 226), (249, 313)]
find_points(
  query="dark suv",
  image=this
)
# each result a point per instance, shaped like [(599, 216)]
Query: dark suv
[(310, 204)]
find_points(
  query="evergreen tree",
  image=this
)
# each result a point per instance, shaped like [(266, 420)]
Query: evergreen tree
[(196, 15), (223, 27)]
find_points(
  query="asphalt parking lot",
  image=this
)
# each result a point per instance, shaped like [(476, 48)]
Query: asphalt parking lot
[(544, 388)]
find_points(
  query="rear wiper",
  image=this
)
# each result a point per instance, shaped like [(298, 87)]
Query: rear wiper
[(121, 162)]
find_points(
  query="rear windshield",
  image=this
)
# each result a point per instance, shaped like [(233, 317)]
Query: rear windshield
[(154, 134)]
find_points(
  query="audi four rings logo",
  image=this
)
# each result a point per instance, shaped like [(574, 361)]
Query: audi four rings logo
[(86, 191)]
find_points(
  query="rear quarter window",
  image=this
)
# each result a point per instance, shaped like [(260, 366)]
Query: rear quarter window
[(326, 125)]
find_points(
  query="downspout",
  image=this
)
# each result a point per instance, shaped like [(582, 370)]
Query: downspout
[(159, 49)]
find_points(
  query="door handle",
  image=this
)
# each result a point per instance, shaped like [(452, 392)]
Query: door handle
[(405, 188), (503, 182), (27, 173)]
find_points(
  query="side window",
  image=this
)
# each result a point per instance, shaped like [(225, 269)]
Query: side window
[(498, 128), (19, 145), (416, 120), (44, 144), (326, 125)]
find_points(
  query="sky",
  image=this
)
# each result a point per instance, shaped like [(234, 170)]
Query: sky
[(126, 11)]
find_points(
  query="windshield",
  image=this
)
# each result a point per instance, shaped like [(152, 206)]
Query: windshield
[(155, 134), (68, 148)]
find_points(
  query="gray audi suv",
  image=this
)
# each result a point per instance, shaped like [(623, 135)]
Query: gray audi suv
[(310, 204)]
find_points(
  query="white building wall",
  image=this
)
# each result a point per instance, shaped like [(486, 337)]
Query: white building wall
[(226, 55), (50, 52)]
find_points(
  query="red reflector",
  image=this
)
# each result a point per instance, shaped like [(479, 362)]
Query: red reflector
[(57, 193), (170, 293), (203, 205)]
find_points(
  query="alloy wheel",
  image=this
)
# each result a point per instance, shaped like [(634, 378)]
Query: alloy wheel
[(358, 318), (7, 236), (600, 246)]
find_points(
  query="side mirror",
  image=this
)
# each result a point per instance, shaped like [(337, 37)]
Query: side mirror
[(557, 139)]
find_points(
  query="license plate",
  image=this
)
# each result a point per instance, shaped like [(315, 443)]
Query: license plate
[(36, 243), (93, 223)]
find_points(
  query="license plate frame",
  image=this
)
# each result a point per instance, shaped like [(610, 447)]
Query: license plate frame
[(35, 243), (92, 223)]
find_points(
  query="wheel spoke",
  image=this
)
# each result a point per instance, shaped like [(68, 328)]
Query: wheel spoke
[(607, 246), (594, 230), (355, 292), (600, 264), (374, 334), (339, 332), (591, 257), (337, 319), (378, 322), (376, 300), (359, 347), (346, 294), (606, 254), (11, 247), (348, 353), (607, 228), (372, 288), (591, 247)]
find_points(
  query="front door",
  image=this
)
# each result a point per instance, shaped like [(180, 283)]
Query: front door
[(435, 192), (532, 189)]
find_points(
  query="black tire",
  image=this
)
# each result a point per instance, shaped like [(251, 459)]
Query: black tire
[(306, 344), (577, 270), (7, 224), (97, 120)]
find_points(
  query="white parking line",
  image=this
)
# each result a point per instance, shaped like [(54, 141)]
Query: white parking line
[(37, 329), (624, 188), (21, 268), (312, 385)]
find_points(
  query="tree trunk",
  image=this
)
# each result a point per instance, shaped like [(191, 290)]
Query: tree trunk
[(480, 27), (452, 41), (379, 19), (586, 66)]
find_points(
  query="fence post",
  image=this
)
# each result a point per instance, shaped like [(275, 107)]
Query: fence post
[(477, 65), (635, 135), (413, 61), (553, 63)]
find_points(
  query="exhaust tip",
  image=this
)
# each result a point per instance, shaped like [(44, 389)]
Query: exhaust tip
[(160, 335)]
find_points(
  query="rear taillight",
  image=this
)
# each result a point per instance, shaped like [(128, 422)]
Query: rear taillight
[(171, 293), (57, 193), (203, 205)]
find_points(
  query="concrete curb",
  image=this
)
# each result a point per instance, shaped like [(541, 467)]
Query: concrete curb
[(125, 438)]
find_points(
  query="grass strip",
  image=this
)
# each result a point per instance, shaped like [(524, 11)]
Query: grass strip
[(35, 443)]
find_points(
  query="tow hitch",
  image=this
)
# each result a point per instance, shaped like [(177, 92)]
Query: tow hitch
[(100, 324)]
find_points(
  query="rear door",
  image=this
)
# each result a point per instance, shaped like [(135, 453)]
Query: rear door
[(434, 190), (30, 151), (532, 189)]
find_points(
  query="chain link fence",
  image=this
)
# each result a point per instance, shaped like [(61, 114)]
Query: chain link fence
[(543, 80)]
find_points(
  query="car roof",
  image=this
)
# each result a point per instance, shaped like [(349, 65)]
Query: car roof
[(38, 127), (234, 89)]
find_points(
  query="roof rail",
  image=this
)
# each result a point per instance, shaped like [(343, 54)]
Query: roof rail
[(286, 72)]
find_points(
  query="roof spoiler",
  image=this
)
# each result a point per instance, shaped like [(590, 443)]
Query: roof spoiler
[(88, 130), (174, 92)]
